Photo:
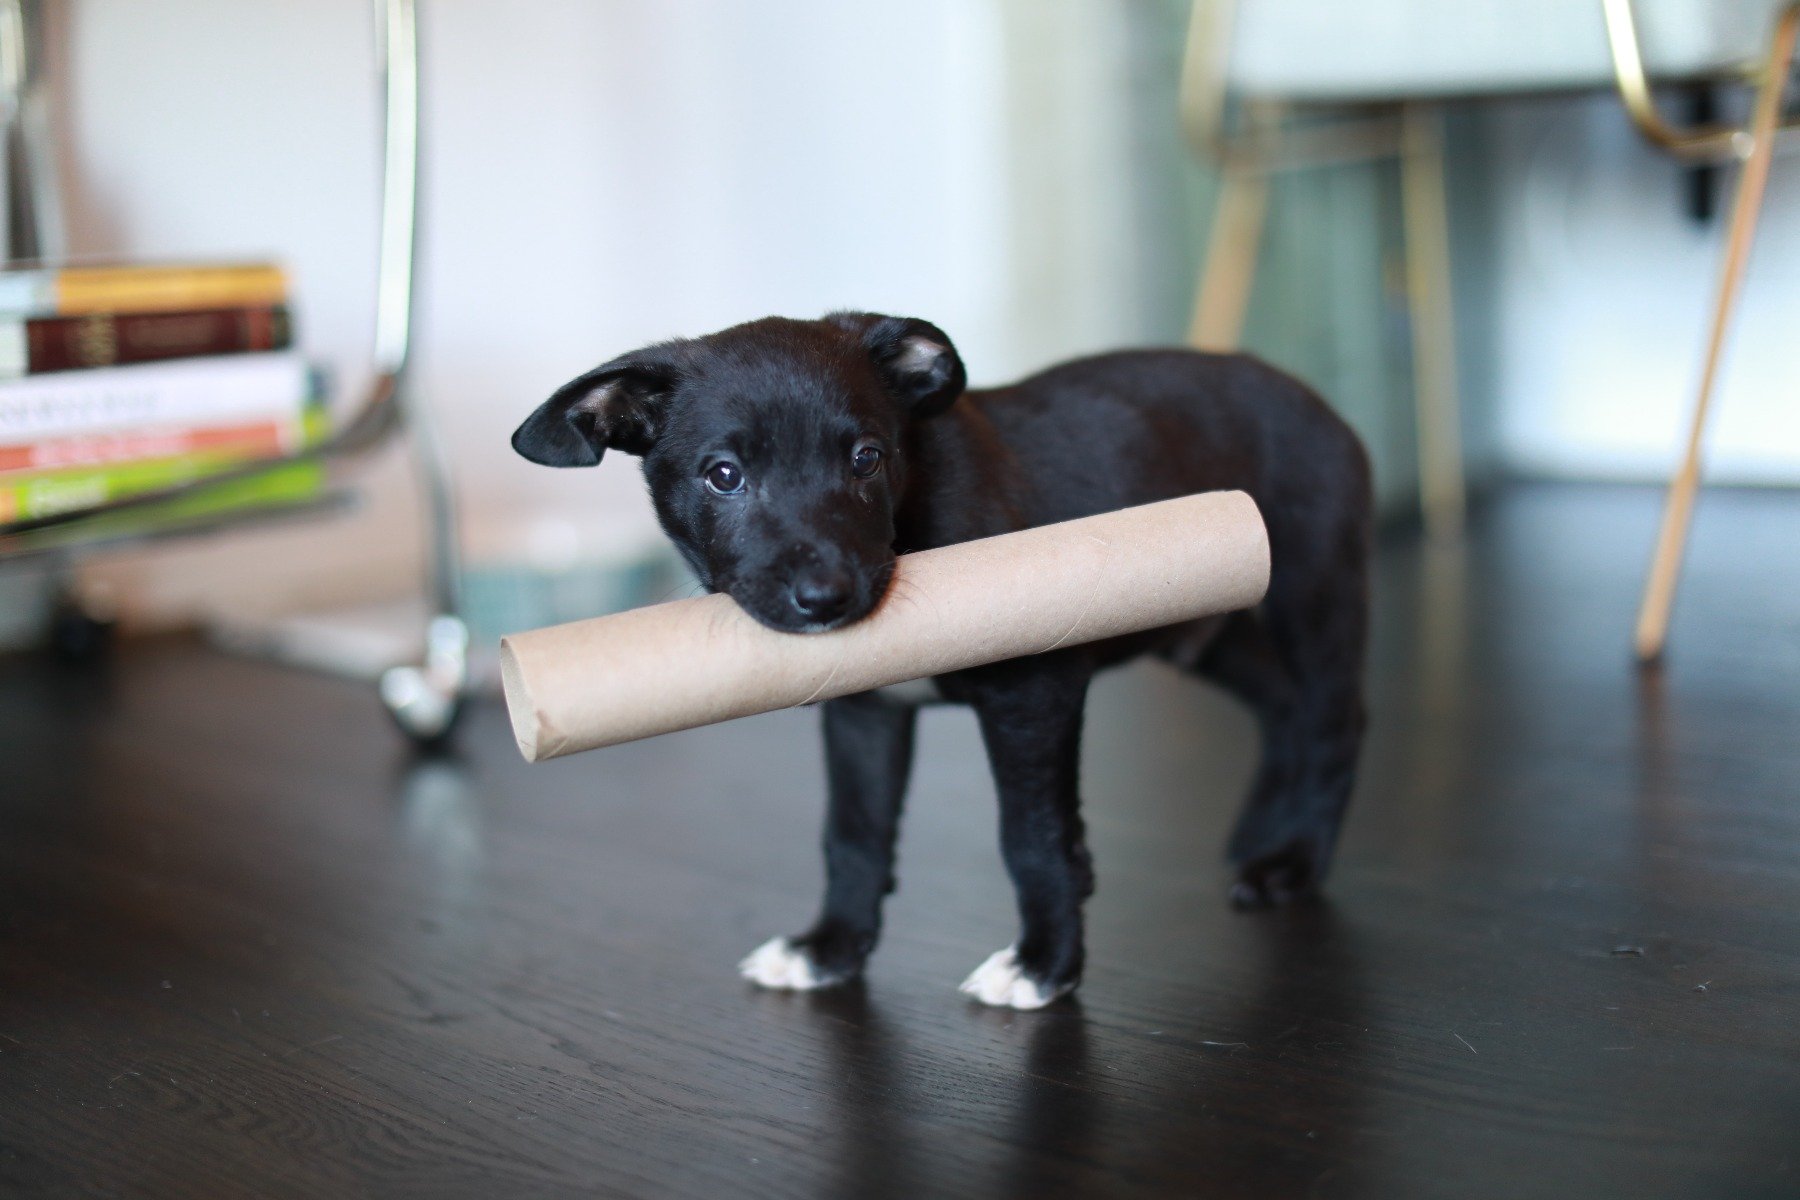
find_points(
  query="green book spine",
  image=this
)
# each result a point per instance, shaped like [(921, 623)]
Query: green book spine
[(47, 493)]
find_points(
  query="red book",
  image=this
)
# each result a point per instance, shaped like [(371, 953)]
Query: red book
[(37, 345), (251, 440)]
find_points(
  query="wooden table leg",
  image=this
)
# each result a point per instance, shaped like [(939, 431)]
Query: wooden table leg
[(1665, 568)]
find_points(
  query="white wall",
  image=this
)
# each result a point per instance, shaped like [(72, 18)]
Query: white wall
[(606, 175), (1604, 289), (598, 175)]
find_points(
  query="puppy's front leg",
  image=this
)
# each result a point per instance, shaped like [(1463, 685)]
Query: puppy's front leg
[(868, 756), (1032, 727)]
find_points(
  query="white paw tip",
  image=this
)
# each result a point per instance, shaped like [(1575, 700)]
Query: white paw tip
[(1001, 982), (778, 963)]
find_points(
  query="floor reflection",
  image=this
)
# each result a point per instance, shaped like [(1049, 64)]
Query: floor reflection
[(873, 1158), (441, 832), (1055, 1109), (1054, 1102), (1309, 1012)]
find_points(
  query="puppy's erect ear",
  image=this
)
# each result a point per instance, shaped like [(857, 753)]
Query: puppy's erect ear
[(617, 405), (921, 367)]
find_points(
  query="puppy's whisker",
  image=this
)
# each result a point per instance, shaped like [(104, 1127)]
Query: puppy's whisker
[(680, 591), (903, 592)]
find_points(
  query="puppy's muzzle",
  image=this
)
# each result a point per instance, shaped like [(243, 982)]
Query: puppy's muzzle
[(822, 595)]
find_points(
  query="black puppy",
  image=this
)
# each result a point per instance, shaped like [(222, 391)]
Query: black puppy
[(790, 461)]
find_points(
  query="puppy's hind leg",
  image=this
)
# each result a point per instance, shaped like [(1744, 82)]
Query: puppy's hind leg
[(1298, 663), (868, 757)]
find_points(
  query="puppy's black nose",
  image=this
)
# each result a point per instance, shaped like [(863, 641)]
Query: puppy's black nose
[(822, 595)]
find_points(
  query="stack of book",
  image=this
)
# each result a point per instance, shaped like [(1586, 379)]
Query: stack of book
[(119, 380)]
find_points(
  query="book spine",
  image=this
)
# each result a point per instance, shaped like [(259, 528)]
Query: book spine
[(24, 496), (49, 291), (44, 496), (45, 344), (138, 289), (21, 499), (137, 445), (235, 389)]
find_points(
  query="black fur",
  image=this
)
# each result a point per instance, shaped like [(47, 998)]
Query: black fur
[(806, 544)]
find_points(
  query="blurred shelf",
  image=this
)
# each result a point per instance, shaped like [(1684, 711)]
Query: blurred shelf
[(150, 526)]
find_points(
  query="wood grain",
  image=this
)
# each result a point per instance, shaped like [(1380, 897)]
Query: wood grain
[(249, 947)]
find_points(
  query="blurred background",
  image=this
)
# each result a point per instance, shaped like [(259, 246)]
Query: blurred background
[(251, 943), (596, 176)]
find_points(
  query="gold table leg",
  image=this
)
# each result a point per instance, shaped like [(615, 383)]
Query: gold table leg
[(1229, 271), (1665, 568), (1427, 227)]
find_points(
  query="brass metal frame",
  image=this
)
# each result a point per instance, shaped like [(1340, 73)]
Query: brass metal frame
[(425, 699), (1710, 143), (1265, 143), (31, 228), (1426, 219), (1367, 132), (1762, 133), (386, 407), (1227, 273)]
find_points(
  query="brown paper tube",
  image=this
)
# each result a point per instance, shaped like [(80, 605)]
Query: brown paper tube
[(693, 662)]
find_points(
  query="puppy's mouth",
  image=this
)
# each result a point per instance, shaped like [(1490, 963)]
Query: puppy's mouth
[(773, 606)]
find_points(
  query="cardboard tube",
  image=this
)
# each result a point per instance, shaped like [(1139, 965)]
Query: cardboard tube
[(693, 662)]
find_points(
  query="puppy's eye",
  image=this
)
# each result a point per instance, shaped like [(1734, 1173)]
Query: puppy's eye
[(725, 478), (865, 461)]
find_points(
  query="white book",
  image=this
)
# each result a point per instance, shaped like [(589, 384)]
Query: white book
[(182, 392)]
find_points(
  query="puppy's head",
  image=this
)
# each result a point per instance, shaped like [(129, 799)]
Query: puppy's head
[(774, 451)]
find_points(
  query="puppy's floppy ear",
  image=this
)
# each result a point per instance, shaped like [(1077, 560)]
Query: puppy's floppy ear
[(921, 367), (617, 405)]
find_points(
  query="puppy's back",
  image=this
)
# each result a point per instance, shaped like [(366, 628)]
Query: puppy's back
[(1136, 426)]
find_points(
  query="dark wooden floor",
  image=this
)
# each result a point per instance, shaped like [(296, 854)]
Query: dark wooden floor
[(248, 948)]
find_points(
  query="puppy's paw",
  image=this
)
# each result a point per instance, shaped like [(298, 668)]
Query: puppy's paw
[(1003, 982), (1288, 876), (1278, 875), (779, 963)]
